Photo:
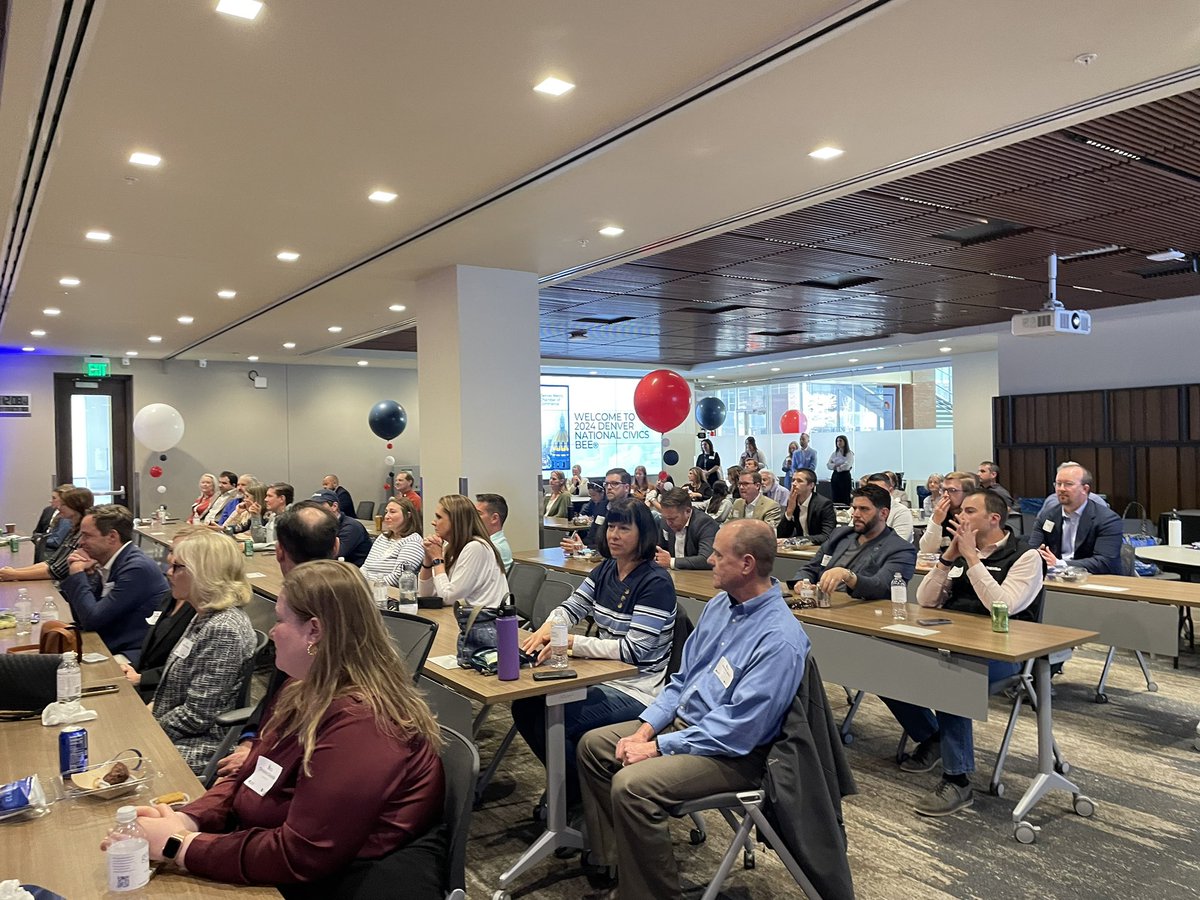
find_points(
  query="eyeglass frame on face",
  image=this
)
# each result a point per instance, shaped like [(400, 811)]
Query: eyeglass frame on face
[(1067, 484), (946, 490), (175, 566)]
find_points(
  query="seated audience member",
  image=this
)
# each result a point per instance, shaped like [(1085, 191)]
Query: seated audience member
[(697, 485), (354, 545), (226, 501), (577, 484), (808, 514), (404, 488), (596, 501), (52, 527), (203, 673), (709, 730), (1076, 530), (687, 533), (861, 558), (720, 504), (984, 563), (989, 479), (900, 517), (772, 488), (641, 484), (73, 505), (558, 500), (279, 497), (632, 601), (933, 484), (349, 751), (208, 493), (251, 512), (617, 483), (731, 477), (1093, 497), (752, 505), (167, 625), (751, 465), (898, 496), (461, 562), (940, 529), (399, 545), (493, 512), (345, 501), (113, 586)]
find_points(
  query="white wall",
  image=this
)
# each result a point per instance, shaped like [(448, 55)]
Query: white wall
[(976, 382)]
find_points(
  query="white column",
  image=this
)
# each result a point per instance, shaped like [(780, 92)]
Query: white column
[(478, 366)]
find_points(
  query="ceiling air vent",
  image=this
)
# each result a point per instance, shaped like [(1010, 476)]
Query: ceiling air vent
[(600, 320), (789, 332), (839, 282), (982, 232)]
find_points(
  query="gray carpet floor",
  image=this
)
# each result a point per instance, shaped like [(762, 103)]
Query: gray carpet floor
[(1133, 756)]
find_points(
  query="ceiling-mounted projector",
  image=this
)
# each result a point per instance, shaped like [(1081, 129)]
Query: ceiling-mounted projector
[(1052, 321)]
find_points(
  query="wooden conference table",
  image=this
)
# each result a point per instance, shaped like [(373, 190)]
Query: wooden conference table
[(267, 579), (61, 850)]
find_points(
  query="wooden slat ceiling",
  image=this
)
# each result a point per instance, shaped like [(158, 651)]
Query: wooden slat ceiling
[(872, 264)]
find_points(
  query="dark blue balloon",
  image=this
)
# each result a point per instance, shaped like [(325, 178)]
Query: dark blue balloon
[(670, 457), (710, 413), (388, 419)]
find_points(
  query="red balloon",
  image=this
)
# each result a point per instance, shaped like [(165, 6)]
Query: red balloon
[(389, 445), (664, 475), (789, 422), (387, 487), (156, 471), (662, 400)]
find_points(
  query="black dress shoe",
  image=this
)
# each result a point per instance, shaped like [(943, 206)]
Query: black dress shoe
[(599, 876)]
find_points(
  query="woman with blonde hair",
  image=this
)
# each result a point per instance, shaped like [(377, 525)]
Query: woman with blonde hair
[(201, 677), (399, 545), (346, 769), (558, 501), (461, 562), (208, 490), (251, 511)]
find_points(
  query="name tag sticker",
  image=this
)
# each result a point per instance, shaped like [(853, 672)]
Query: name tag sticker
[(599, 520), (153, 618), (183, 648), (826, 558), (724, 672), (955, 572), (1048, 526), (266, 773)]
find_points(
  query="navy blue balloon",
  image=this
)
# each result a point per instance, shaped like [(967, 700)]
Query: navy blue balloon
[(388, 419), (710, 413), (670, 457)]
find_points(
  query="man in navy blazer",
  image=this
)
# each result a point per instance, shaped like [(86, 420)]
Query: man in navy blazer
[(1092, 531), (697, 528), (113, 586)]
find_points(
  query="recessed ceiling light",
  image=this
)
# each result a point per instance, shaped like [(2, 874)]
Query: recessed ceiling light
[(155, 339), (289, 345), (1166, 256), (710, 376), (555, 87), (879, 367), (145, 159), (243, 9), (611, 230), (51, 311), (69, 282), (185, 320), (852, 359), (287, 255), (363, 362), (774, 368), (826, 153), (335, 329), (226, 295), (37, 332), (945, 349), (98, 236), (593, 372), (381, 196), (28, 349), (130, 353), (397, 307), (252, 358)]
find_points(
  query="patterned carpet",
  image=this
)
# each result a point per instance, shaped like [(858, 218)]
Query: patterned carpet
[(1134, 757)]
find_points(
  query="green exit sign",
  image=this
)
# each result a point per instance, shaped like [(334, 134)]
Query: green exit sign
[(95, 367)]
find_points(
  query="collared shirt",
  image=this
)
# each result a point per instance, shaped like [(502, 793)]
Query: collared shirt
[(501, 543), (106, 569), (740, 671), (1070, 527), (804, 458), (802, 516), (749, 507), (1019, 588)]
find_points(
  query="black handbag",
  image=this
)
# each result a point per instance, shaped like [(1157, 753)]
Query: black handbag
[(476, 631), (28, 683)]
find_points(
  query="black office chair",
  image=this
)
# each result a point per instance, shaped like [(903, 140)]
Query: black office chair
[(365, 510), (412, 636)]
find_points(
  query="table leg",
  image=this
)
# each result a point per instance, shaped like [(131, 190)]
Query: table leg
[(557, 834)]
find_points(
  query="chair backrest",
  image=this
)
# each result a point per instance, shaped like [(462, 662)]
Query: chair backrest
[(551, 595), (683, 628), (524, 581), (460, 763), (365, 510), (413, 637), (242, 698)]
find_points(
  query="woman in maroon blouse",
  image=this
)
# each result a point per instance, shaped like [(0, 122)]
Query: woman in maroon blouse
[(347, 764)]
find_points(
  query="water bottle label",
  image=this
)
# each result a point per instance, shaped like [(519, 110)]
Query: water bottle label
[(558, 635), (69, 684), (128, 864)]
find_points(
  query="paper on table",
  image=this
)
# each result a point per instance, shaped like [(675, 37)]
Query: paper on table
[(1107, 587), (256, 574), (449, 661), (910, 629)]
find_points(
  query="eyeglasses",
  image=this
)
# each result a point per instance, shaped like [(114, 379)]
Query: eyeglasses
[(1066, 484), (174, 566), (613, 483), (947, 490)]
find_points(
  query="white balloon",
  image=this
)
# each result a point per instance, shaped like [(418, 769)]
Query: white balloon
[(162, 488), (390, 460), (666, 442), (158, 426)]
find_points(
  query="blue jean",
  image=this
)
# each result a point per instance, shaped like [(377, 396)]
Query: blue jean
[(603, 706), (957, 732)]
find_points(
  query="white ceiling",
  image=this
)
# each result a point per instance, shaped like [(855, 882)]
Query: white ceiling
[(273, 132)]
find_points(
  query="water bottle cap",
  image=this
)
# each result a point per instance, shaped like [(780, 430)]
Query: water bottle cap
[(127, 814)]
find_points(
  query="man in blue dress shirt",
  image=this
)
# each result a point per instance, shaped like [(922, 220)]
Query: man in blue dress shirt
[(805, 457), (710, 729)]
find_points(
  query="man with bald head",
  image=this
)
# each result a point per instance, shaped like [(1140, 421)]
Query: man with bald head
[(345, 501)]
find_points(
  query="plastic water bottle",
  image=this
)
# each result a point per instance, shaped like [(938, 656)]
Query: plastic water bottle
[(49, 610), (899, 598), (128, 853), (70, 683), (408, 591), (559, 626), (379, 591), (23, 609)]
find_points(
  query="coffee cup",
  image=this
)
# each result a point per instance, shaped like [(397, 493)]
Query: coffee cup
[(10, 527)]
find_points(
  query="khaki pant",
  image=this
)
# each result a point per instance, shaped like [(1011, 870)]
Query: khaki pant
[(624, 806)]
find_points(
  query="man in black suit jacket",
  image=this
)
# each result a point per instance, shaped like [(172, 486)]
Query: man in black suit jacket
[(807, 514), (697, 528), (345, 501), (1093, 531), (354, 544)]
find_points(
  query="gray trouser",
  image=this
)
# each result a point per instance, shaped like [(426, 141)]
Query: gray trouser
[(625, 806)]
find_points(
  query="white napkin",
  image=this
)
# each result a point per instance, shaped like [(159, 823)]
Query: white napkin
[(65, 714), (12, 890)]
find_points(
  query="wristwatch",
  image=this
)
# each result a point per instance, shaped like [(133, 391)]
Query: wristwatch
[(173, 845)]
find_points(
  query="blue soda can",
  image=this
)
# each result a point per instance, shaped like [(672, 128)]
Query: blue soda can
[(72, 749)]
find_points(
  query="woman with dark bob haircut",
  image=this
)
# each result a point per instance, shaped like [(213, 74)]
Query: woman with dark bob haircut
[(632, 601)]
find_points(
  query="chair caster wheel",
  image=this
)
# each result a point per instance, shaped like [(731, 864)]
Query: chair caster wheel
[(847, 739), (996, 790), (1063, 768), (747, 859), (1025, 833), (1083, 806), (696, 837), (1102, 698), (501, 895), (1152, 687)]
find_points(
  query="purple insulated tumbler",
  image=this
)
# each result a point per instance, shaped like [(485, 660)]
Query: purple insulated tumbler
[(507, 652)]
